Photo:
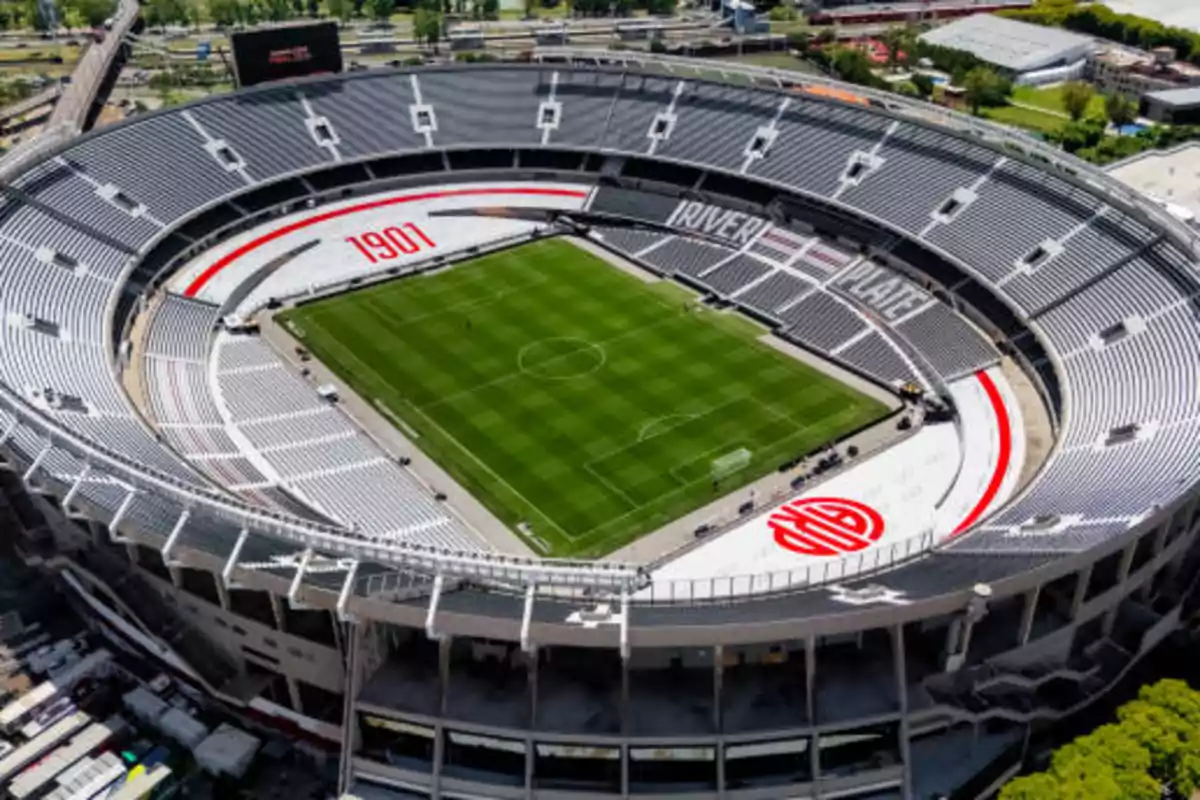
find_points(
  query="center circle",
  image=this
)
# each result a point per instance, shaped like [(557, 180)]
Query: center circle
[(560, 358)]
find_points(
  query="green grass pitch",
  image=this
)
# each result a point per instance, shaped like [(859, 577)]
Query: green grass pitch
[(568, 395)]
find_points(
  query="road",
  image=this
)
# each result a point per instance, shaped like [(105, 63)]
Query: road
[(78, 95)]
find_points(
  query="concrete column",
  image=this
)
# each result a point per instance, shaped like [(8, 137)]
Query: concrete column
[(99, 533), (293, 687), (222, 593), (810, 678), (953, 637), (439, 752), (132, 551), (176, 576), (625, 770), (1160, 536), (1123, 569), (349, 719), (339, 637), (624, 697), (530, 755), (814, 764), (1126, 565), (277, 608), (1028, 612), (1085, 577), (444, 673), (532, 677), (718, 682), (719, 755), (901, 667)]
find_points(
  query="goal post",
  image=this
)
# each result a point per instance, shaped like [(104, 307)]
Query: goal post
[(730, 463)]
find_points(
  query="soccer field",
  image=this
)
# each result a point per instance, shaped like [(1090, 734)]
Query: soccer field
[(572, 397)]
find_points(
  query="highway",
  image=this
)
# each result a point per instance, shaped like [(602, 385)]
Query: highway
[(78, 95)]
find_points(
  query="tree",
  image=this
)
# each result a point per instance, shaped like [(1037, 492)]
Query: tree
[(900, 42), (427, 23), (1076, 136), (1171, 742), (93, 12), (923, 84), (380, 10), (801, 42), (782, 13), (1076, 96), (983, 87), (1154, 746), (851, 64), (72, 19), (275, 10), (161, 13), (1082, 787), (225, 13), (1111, 750), (340, 9), (1120, 110)]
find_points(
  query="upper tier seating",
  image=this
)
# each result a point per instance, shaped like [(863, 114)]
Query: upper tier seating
[(1087, 272)]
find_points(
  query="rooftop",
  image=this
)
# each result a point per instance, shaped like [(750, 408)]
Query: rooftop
[(1012, 45), (1171, 177), (1177, 98), (1145, 63)]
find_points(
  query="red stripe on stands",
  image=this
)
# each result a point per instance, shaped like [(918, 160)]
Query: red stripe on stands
[(204, 277), (993, 487)]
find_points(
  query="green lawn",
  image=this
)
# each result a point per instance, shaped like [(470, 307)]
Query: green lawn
[(572, 397), (1029, 119), (1050, 98)]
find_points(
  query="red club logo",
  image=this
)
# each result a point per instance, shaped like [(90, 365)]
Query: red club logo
[(826, 526)]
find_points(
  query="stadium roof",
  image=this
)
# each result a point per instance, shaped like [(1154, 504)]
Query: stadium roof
[(1009, 44)]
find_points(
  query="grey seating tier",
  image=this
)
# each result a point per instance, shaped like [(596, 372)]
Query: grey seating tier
[(1108, 278)]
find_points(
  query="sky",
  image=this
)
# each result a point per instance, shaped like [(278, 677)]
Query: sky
[(1183, 13)]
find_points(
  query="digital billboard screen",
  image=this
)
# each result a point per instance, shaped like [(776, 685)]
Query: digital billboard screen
[(292, 51)]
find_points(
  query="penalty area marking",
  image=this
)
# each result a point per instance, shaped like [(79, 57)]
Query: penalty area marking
[(536, 370), (647, 430)]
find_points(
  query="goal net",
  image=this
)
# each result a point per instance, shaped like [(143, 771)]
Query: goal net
[(730, 463)]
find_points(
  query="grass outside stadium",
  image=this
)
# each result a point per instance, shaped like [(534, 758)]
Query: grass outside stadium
[(583, 406)]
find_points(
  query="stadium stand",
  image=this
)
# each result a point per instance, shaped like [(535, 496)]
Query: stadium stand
[(1078, 570), (316, 454), (1065, 253)]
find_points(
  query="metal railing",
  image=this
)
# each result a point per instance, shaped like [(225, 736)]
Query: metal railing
[(479, 566), (732, 587), (551, 576)]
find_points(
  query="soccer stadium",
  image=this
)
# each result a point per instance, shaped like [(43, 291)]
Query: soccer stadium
[(606, 425)]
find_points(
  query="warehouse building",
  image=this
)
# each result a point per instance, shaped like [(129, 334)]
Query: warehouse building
[(1173, 106), (1030, 54)]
